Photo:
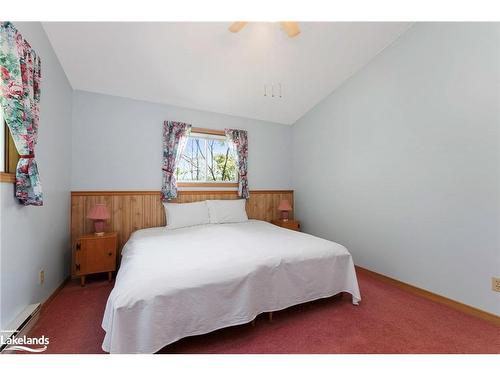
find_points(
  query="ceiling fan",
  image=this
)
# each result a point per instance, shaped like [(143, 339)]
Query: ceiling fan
[(291, 28)]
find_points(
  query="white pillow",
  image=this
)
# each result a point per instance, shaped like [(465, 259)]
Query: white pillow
[(180, 215), (227, 211)]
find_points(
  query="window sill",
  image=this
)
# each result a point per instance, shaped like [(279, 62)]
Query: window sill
[(208, 184), (7, 177)]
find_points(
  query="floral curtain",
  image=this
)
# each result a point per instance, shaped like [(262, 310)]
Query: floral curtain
[(239, 140), (174, 139), (19, 99)]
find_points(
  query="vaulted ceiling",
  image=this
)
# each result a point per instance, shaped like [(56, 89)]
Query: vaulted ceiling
[(202, 65)]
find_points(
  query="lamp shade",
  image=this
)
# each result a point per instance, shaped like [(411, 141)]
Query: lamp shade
[(98, 212), (285, 206)]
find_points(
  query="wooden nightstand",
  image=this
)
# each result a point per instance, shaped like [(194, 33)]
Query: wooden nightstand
[(289, 224), (94, 254)]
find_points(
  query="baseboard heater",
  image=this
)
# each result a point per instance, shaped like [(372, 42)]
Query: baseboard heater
[(21, 325)]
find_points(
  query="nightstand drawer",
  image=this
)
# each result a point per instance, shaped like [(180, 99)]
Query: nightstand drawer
[(95, 254)]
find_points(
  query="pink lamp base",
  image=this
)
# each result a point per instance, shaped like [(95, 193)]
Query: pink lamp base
[(285, 215), (99, 227)]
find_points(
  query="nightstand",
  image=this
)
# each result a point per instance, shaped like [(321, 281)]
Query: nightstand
[(288, 224), (94, 254)]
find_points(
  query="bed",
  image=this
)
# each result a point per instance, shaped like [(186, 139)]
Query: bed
[(194, 280)]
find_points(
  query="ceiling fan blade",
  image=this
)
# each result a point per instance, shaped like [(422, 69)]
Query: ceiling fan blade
[(291, 28), (237, 26)]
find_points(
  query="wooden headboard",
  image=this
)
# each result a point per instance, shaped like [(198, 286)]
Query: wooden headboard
[(132, 210)]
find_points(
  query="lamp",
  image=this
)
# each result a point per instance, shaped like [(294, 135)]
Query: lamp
[(285, 207), (99, 213)]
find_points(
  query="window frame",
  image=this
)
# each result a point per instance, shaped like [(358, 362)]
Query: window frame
[(11, 156), (208, 183)]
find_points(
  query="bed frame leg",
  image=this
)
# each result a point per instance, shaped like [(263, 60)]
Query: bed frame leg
[(253, 323), (271, 316)]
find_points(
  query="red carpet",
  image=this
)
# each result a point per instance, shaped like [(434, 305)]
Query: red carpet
[(388, 320)]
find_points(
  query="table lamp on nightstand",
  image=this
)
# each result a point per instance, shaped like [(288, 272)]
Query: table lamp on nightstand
[(99, 213), (285, 207)]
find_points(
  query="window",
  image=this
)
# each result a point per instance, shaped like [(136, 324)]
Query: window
[(207, 160), (9, 156)]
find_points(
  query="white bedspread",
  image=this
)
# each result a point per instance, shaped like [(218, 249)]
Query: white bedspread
[(190, 281)]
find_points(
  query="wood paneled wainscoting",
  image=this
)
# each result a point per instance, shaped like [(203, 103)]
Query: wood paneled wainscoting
[(133, 210)]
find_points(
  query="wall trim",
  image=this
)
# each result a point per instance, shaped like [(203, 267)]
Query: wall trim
[(7, 177), (180, 192), (208, 131), (469, 310), (53, 295)]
